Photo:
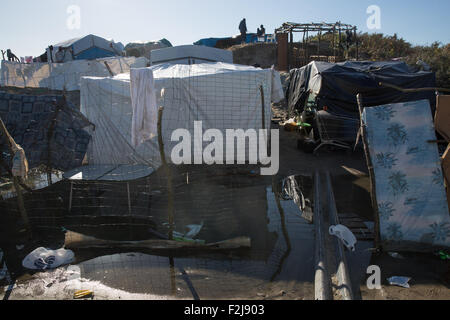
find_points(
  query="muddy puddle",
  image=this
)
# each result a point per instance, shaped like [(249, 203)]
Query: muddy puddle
[(279, 264)]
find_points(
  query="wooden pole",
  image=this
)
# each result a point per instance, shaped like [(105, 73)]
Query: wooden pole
[(170, 209), (16, 182), (373, 191)]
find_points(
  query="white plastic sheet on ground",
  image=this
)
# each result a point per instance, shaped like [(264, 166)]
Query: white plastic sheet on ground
[(60, 76), (222, 96)]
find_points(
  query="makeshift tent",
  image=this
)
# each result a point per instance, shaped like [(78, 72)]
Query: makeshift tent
[(64, 76), (222, 96), (334, 86), (407, 175), (144, 49), (190, 55), (89, 47)]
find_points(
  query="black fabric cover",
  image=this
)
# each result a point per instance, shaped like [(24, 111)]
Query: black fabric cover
[(337, 84)]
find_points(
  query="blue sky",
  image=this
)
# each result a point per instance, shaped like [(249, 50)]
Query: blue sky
[(28, 27)]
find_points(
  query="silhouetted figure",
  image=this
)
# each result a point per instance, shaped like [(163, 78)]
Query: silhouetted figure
[(261, 31), (11, 56), (243, 30)]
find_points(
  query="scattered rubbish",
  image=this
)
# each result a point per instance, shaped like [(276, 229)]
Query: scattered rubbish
[(346, 236), (83, 294), (399, 281), (443, 255), (396, 255), (290, 125), (20, 246), (42, 259), (194, 230)]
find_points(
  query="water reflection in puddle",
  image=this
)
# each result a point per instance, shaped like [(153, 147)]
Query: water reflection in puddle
[(280, 263)]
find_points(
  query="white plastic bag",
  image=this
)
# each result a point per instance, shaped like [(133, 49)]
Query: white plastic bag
[(43, 259), (346, 236)]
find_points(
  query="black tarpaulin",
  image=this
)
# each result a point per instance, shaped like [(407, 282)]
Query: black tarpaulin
[(336, 85)]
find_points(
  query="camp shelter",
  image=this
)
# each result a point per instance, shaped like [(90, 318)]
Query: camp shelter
[(144, 48), (190, 54), (64, 76), (222, 96), (334, 86), (89, 47)]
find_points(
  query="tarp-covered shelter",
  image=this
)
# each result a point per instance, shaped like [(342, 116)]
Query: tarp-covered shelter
[(334, 86), (190, 54), (64, 76), (144, 49), (222, 96), (89, 47)]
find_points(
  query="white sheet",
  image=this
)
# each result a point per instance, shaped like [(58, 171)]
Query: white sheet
[(143, 101)]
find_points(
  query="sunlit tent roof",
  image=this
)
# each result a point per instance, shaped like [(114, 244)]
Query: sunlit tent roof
[(190, 54), (87, 48)]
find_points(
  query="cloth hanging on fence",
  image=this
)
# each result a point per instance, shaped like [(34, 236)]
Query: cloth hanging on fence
[(143, 100), (20, 162)]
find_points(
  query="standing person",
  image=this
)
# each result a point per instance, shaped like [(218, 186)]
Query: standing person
[(11, 56), (243, 29), (263, 31)]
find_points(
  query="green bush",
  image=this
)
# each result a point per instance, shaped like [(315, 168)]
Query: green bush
[(376, 47)]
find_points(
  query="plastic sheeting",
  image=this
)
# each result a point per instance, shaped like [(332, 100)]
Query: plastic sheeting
[(145, 110), (60, 76), (336, 85), (222, 96), (87, 47), (190, 55), (409, 183)]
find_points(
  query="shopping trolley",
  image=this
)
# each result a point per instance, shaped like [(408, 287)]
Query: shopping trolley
[(337, 131)]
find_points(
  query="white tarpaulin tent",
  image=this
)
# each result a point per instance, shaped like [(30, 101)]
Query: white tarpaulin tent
[(222, 96), (60, 76), (190, 54)]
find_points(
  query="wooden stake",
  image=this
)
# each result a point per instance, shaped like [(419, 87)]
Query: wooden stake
[(373, 191), (170, 196)]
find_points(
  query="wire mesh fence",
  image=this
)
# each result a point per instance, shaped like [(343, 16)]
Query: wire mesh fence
[(116, 198)]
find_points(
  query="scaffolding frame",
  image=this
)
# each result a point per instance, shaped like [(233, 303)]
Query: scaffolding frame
[(336, 29)]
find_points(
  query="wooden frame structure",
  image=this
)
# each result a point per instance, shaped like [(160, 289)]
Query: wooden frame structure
[(337, 29)]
